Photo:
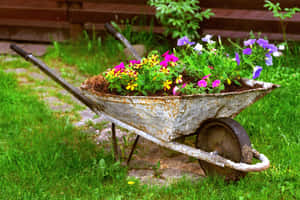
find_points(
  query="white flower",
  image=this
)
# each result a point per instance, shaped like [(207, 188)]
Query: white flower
[(277, 53), (207, 39), (281, 47), (198, 47)]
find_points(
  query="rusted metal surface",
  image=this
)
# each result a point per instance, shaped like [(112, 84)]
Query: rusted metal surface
[(170, 117)]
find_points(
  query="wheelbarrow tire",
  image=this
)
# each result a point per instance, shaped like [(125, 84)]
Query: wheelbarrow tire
[(227, 138)]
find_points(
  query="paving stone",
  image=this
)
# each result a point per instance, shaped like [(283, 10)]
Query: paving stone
[(74, 99), (17, 70), (88, 116), (57, 105), (39, 76), (22, 80), (35, 49), (10, 59)]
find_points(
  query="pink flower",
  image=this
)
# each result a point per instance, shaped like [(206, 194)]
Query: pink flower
[(119, 67), (183, 85), (165, 54), (216, 83), (210, 67), (205, 77), (175, 91), (133, 62), (164, 63), (171, 58), (202, 83)]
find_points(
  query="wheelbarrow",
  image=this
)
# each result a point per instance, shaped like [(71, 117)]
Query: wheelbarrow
[(222, 145)]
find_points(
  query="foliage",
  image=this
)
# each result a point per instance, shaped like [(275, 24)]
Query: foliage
[(276, 9), (277, 12), (192, 69), (92, 54), (180, 17)]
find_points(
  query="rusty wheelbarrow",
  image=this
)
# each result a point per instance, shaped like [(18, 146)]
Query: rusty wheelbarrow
[(222, 146)]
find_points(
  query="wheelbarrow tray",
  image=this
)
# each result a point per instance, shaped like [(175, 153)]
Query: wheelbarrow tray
[(170, 117)]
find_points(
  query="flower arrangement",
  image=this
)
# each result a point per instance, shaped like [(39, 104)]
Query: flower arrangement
[(192, 68)]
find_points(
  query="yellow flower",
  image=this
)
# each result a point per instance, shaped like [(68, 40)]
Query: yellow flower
[(117, 74), (154, 57), (172, 64), (164, 70), (144, 61), (229, 81), (131, 86), (109, 74), (137, 66), (178, 79), (167, 85), (131, 182)]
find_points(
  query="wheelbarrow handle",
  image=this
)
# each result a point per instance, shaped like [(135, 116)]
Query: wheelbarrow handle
[(121, 37), (52, 74), (20, 51)]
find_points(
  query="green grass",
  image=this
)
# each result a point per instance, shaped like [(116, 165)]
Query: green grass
[(12, 62), (42, 157), (92, 55)]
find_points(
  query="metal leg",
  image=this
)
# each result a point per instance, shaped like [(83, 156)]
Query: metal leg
[(133, 148), (114, 142)]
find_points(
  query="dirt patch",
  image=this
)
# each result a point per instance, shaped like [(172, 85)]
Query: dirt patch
[(150, 163)]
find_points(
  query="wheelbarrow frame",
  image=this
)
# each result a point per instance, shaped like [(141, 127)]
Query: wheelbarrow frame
[(210, 157)]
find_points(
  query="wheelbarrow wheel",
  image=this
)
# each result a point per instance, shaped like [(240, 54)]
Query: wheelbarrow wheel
[(226, 138)]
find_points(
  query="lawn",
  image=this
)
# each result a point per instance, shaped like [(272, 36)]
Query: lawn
[(45, 157)]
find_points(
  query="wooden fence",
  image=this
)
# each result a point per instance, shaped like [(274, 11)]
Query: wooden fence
[(44, 21)]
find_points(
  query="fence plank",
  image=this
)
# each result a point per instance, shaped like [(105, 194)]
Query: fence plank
[(55, 14), (233, 18)]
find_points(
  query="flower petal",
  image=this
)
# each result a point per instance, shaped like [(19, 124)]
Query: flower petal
[(256, 72)]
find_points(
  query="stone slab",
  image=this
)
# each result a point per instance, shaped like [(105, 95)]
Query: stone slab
[(35, 49)]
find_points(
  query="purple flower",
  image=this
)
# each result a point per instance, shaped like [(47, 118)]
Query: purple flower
[(183, 85), (272, 48), (247, 51), (216, 83), (237, 58), (263, 43), (202, 83), (207, 39), (269, 60), (256, 71), (119, 67), (184, 41), (249, 42)]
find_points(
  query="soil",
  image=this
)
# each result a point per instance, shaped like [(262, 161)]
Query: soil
[(99, 85)]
